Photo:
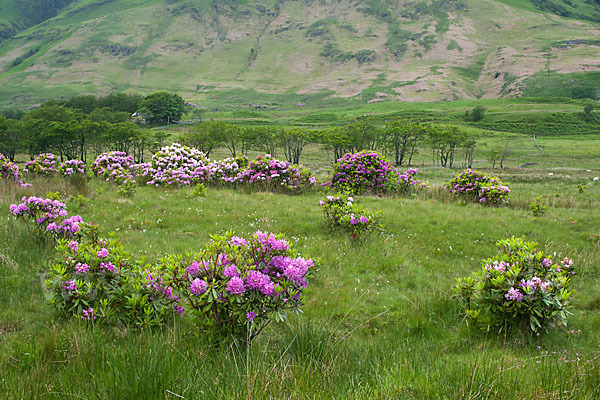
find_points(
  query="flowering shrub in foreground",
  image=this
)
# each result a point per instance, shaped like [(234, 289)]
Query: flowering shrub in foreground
[(9, 171), (479, 187), (114, 167), (50, 216), (237, 286), (43, 164), (276, 175), (363, 172), (342, 213), (520, 287), (97, 281)]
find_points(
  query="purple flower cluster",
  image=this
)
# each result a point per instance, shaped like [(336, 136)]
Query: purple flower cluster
[(9, 171), (114, 166), (88, 314), (514, 295), (363, 172), (408, 182), (177, 165), (480, 187), (198, 286), (72, 167), (49, 215), (243, 279), (276, 175), (43, 164)]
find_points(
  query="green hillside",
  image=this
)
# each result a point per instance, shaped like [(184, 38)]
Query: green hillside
[(291, 51)]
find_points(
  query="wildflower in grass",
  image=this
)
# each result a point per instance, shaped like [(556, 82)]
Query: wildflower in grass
[(198, 286)]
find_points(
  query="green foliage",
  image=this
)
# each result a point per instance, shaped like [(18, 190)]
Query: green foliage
[(199, 191), (479, 187), (537, 208), (127, 188), (97, 281), (519, 288), (476, 114), (342, 213), (163, 107)]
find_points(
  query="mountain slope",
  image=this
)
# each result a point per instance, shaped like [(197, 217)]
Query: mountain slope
[(382, 49)]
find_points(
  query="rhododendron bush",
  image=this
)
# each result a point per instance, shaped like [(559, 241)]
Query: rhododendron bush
[(342, 212), (365, 172), (276, 175), (49, 216), (238, 285), (408, 182), (43, 164), (177, 165), (114, 166), (520, 287), (479, 187), (9, 171), (97, 281)]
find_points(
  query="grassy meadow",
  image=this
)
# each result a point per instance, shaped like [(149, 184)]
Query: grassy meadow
[(379, 321)]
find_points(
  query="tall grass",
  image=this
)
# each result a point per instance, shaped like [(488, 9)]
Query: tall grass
[(379, 321)]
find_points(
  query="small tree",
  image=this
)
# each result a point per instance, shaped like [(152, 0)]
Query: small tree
[(587, 111), (162, 107), (476, 114)]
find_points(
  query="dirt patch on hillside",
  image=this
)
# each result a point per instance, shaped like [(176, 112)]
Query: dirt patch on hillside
[(576, 59)]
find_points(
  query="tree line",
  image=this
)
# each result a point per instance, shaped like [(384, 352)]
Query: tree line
[(397, 139), (85, 125)]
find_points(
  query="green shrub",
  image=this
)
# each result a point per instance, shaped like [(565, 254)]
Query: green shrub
[(518, 288)]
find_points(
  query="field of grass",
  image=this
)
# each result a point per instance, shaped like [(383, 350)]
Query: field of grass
[(378, 321)]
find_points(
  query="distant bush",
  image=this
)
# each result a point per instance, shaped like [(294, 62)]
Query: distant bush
[(408, 182), (113, 167), (479, 187), (537, 208), (520, 288), (363, 172), (178, 165), (341, 212), (43, 164), (9, 171), (275, 175)]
